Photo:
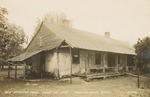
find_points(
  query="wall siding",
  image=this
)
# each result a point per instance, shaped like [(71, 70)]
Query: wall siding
[(83, 61), (60, 63), (64, 62), (51, 62)]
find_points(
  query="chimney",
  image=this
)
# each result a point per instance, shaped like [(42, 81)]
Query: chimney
[(107, 34), (66, 23)]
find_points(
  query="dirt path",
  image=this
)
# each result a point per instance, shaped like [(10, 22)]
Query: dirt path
[(113, 87)]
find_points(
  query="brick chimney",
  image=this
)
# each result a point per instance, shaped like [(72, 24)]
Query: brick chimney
[(66, 23), (107, 34)]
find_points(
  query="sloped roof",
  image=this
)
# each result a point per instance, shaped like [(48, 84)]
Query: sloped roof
[(24, 56), (49, 41), (47, 38), (90, 41), (53, 35)]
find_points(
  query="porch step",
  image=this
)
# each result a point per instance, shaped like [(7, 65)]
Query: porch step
[(95, 76)]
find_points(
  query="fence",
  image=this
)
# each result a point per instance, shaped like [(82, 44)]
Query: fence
[(12, 71)]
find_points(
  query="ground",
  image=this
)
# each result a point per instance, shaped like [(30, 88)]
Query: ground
[(123, 86)]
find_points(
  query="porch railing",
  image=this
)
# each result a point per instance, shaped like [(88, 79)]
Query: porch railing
[(131, 68), (103, 70), (111, 69)]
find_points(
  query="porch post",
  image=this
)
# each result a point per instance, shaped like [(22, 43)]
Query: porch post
[(24, 71), (105, 64), (117, 64), (87, 65), (70, 66), (126, 67), (58, 63)]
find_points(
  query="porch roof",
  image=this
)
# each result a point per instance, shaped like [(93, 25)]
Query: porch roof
[(23, 56), (27, 54)]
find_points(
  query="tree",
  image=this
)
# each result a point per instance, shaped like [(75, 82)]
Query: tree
[(51, 17), (3, 19), (142, 58), (142, 49), (12, 37)]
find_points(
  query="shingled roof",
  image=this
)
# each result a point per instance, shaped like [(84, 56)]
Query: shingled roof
[(53, 35)]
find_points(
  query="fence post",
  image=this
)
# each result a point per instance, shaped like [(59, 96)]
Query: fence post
[(24, 70), (138, 81), (15, 71), (8, 70)]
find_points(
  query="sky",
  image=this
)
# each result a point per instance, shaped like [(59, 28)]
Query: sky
[(126, 20)]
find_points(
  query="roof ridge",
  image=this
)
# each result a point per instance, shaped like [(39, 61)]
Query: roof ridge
[(46, 24), (88, 40), (102, 36), (34, 36)]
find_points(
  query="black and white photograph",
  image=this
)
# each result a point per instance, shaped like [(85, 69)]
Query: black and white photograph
[(74, 48)]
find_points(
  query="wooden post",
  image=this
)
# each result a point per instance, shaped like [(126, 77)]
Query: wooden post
[(41, 71), (104, 64), (58, 64), (8, 70), (117, 59), (126, 67), (24, 71), (138, 78), (2, 66), (87, 64), (15, 71), (70, 66)]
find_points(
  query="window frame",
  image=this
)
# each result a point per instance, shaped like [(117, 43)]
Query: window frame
[(98, 58), (75, 56), (119, 59)]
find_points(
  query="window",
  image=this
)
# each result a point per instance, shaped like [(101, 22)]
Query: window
[(118, 59), (75, 57), (97, 58), (111, 60)]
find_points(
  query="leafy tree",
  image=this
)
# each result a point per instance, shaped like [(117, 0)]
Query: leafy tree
[(12, 37), (142, 49), (51, 17), (3, 19)]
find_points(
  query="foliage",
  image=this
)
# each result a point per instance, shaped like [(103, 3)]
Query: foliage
[(142, 49), (3, 19), (12, 37), (51, 17)]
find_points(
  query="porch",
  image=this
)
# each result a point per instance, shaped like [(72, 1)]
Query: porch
[(106, 72), (104, 64)]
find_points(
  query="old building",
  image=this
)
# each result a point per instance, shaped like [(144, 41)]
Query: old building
[(61, 50)]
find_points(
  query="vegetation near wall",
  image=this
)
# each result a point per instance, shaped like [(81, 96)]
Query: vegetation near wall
[(142, 59), (12, 37)]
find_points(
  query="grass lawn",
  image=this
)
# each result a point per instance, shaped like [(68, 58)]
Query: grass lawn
[(123, 86)]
